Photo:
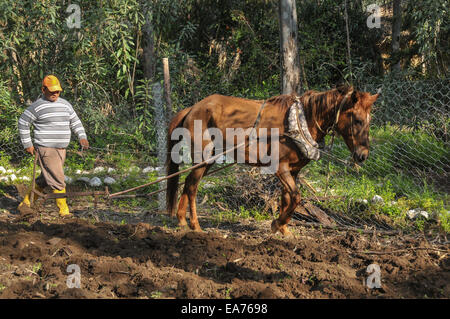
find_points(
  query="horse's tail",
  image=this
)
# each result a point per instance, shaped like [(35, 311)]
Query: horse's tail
[(172, 167)]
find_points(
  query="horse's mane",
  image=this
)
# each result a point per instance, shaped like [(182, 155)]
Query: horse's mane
[(283, 101), (315, 103)]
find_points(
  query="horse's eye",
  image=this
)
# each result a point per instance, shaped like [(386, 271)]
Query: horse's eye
[(358, 122)]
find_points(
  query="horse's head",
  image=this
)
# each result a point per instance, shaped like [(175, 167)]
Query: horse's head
[(354, 121)]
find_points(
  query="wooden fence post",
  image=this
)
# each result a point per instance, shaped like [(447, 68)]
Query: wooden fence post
[(167, 90)]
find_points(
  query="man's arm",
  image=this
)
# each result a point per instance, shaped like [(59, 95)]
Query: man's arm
[(77, 127), (26, 119)]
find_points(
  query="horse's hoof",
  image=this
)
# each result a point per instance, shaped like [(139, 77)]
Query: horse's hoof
[(182, 223), (183, 226), (285, 231), (282, 229), (275, 226), (196, 228)]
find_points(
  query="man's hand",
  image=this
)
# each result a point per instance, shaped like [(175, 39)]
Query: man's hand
[(30, 150), (84, 144)]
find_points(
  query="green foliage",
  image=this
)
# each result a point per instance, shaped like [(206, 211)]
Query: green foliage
[(253, 213), (4, 159), (9, 115), (445, 221), (429, 22)]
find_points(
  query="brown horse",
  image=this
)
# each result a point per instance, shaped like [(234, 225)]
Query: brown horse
[(344, 110)]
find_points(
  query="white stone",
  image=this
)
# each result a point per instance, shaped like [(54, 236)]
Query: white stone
[(361, 201), (9, 171), (222, 159), (134, 169), (424, 214), (25, 178), (12, 177), (111, 170), (414, 213), (148, 169), (377, 199), (109, 180), (78, 171), (95, 182), (99, 169), (68, 179), (4, 179), (2, 170)]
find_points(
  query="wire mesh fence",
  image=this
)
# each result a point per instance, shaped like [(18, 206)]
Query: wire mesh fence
[(409, 155), (410, 131)]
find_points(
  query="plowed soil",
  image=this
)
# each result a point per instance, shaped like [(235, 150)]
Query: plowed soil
[(144, 255)]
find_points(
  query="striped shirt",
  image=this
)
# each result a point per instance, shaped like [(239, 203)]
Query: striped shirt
[(52, 121)]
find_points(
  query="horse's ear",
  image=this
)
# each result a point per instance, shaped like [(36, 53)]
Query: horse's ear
[(369, 100), (373, 98)]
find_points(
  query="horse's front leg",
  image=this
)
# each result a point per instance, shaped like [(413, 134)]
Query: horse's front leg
[(290, 198)]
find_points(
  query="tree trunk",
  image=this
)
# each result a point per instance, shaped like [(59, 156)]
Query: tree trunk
[(396, 29), (167, 90), (148, 45), (290, 61), (17, 73), (349, 56)]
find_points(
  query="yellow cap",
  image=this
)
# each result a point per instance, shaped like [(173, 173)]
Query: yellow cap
[(52, 83)]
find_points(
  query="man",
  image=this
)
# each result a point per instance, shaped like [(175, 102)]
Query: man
[(53, 119)]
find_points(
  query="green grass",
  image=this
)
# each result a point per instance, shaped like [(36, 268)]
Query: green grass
[(397, 170), (156, 295), (253, 213)]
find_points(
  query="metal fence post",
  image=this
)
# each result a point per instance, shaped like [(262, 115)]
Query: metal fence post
[(160, 120)]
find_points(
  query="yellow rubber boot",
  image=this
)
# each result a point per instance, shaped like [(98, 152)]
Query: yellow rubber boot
[(26, 199), (62, 204)]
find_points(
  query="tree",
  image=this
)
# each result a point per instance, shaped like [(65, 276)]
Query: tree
[(148, 45), (396, 29), (290, 60)]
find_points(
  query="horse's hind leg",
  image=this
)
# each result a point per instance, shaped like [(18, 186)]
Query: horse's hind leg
[(182, 206), (189, 195), (190, 186), (290, 198)]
